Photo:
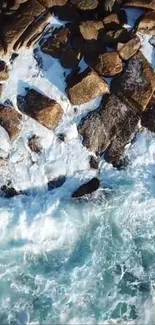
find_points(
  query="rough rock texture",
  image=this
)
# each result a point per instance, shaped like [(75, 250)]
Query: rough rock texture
[(55, 44), (85, 86), (113, 121), (44, 110), (16, 28), (129, 49), (90, 29), (10, 120), (85, 4), (148, 117), (55, 183), (87, 188), (108, 64), (147, 24), (52, 3), (137, 82), (148, 4), (4, 74)]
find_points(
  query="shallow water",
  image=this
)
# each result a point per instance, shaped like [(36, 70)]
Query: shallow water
[(77, 262)]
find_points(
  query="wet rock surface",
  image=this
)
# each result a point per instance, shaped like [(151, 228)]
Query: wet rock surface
[(10, 120), (55, 183), (87, 188)]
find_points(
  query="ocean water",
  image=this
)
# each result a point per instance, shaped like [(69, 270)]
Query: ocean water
[(74, 262)]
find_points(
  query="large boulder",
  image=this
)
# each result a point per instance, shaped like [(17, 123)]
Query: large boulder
[(87, 188), (108, 64), (43, 109), (85, 4), (20, 29), (114, 122), (10, 120), (83, 87), (90, 29), (129, 49), (147, 23), (146, 4), (137, 82)]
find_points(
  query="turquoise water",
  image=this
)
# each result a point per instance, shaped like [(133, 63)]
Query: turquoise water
[(87, 262)]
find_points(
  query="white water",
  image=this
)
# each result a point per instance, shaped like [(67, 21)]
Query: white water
[(63, 261)]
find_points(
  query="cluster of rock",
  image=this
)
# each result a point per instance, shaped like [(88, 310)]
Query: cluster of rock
[(94, 32)]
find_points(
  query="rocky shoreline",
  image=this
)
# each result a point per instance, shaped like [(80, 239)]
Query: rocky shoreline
[(98, 34)]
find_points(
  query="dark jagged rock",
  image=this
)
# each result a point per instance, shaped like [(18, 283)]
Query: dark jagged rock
[(87, 188), (113, 125), (146, 4), (70, 58), (94, 162), (56, 43), (137, 82), (43, 109), (8, 191), (55, 183)]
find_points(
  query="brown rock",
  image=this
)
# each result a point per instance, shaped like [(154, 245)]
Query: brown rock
[(127, 50), (114, 120), (1, 88), (113, 36), (148, 4), (147, 23), (108, 64), (4, 75), (52, 3), (85, 86), (55, 44), (18, 24), (70, 58), (89, 29), (111, 19), (85, 4), (87, 188), (10, 120), (137, 82), (44, 110)]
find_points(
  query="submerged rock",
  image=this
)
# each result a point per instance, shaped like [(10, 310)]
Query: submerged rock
[(83, 87), (43, 109), (34, 144), (57, 182), (87, 188)]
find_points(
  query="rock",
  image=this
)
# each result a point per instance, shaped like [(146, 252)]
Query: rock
[(70, 58), (52, 3), (152, 41), (115, 119), (147, 23), (129, 49), (67, 13), (148, 117), (10, 120), (55, 44), (4, 75), (8, 191), (55, 183), (85, 86), (113, 36), (1, 89), (137, 82), (111, 20), (94, 163), (148, 4), (92, 50), (89, 29), (43, 109), (87, 188), (108, 64), (21, 27), (85, 4), (34, 144)]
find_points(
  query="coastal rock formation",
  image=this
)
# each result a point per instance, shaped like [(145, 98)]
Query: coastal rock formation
[(10, 120), (129, 49), (4, 74), (108, 64)]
